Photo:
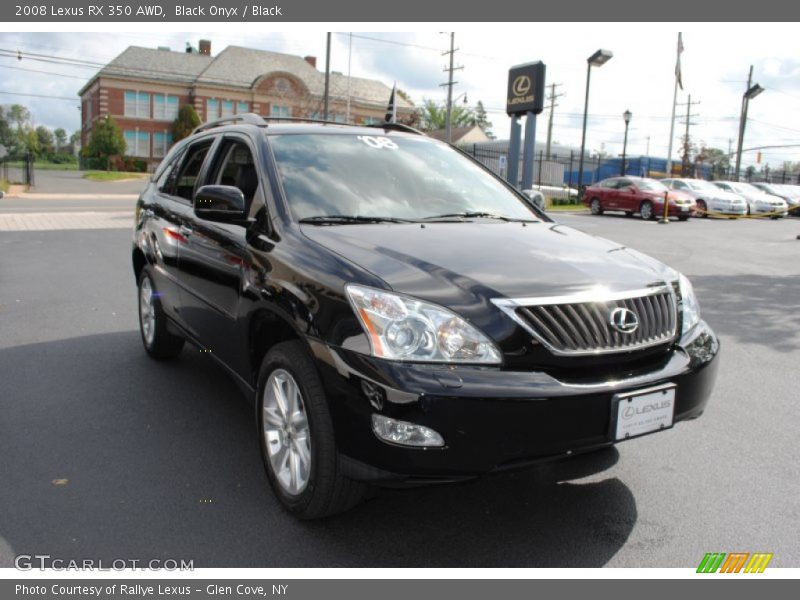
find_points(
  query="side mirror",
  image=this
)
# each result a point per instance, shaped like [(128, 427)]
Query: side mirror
[(220, 203)]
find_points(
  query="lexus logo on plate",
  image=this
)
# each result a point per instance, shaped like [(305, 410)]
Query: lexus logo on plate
[(623, 320)]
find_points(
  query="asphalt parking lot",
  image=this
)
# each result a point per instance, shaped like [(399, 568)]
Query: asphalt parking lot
[(106, 454)]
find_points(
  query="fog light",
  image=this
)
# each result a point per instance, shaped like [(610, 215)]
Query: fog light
[(406, 434)]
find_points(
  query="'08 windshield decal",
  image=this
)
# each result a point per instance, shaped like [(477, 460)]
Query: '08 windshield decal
[(378, 142)]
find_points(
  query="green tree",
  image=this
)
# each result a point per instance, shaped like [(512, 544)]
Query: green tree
[(105, 141), (7, 136), (19, 116), (717, 158), (482, 120), (60, 136), (185, 122), (434, 116), (46, 140), (28, 141)]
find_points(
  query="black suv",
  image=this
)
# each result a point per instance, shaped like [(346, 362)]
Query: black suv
[(400, 315)]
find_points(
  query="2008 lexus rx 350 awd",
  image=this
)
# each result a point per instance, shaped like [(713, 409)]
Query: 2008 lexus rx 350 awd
[(399, 315)]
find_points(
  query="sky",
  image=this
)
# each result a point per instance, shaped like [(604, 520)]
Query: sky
[(639, 78)]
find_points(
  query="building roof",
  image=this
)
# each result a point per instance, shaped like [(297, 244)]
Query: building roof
[(456, 133), (239, 67)]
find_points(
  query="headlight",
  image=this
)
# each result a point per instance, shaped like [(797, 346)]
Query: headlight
[(403, 328), (691, 308)]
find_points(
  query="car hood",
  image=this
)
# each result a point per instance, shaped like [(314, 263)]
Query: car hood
[(463, 265)]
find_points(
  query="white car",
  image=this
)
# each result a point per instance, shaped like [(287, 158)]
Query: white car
[(710, 199), (789, 193), (758, 201), (561, 192), (536, 197)]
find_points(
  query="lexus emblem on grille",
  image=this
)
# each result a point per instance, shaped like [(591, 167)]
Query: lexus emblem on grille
[(623, 320)]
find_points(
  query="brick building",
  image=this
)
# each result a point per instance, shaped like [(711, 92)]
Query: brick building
[(143, 88)]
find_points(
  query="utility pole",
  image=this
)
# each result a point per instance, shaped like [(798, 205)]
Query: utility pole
[(448, 126), (742, 121), (687, 122), (327, 77), (552, 100)]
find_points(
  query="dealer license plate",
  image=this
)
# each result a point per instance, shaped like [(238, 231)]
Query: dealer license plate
[(643, 411)]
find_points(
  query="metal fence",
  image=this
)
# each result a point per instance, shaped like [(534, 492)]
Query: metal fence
[(563, 170), (18, 169)]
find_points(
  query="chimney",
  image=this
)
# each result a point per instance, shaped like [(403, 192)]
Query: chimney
[(205, 47), (312, 60)]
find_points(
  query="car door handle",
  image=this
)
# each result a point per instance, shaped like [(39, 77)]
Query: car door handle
[(185, 230)]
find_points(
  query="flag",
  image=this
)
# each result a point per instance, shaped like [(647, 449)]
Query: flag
[(391, 110), (678, 64)]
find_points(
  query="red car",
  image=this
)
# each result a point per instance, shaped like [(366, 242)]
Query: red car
[(637, 195)]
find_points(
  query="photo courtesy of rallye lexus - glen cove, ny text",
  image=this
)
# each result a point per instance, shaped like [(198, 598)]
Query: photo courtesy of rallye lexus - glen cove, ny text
[(413, 320)]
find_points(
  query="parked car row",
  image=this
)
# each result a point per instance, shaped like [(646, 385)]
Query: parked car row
[(691, 197)]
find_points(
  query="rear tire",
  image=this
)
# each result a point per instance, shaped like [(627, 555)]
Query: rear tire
[(158, 342), (646, 210), (318, 488), (595, 206)]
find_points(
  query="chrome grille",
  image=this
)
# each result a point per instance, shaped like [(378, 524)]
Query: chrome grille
[(579, 325)]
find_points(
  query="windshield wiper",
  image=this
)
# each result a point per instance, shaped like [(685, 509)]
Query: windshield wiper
[(337, 219), (478, 215)]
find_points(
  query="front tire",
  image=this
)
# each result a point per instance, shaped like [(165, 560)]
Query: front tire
[(595, 206), (158, 342), (298, 444), (646, 210), (702, 208)]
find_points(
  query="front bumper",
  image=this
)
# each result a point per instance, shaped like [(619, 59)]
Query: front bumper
[(491, 419)]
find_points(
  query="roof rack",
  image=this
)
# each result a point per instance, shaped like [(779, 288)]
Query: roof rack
[(397, 127), (258, 120), (246, 118)]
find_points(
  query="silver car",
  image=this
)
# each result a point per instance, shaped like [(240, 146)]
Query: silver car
[(787, 192), (710, 199), (758, 201)]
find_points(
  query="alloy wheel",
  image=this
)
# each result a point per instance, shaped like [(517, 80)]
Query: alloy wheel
[(147, 311), (287, 435)]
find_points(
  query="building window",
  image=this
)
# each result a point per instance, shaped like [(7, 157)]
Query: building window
[(280, 111), (137, 105), (161, 143), (227, 108), (138, 143), (212, 109), (165, 108), (242, 107), (371, 121)]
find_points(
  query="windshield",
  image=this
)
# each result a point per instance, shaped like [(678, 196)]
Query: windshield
[(745, 188), (398, 177), (702, 185), (651, 185)]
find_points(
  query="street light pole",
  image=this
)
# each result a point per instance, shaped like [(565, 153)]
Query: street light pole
[(753, 90), (627, 116), (598, 59)]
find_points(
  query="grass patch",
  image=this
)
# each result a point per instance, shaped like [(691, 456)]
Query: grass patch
[(566, 207), (3, 185), (113, 175), (46, 166)]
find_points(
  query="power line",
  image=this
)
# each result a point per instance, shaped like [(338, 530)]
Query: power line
[(552, 99), (39, 96), (43, 72)]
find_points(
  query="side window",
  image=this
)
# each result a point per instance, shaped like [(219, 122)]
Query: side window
[(610, 184), (624, 183), (166, 173), (679, 185), (234, 165), (186, 177)]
